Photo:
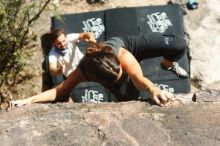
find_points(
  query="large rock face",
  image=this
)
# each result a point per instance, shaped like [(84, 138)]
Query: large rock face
[(134, 123), (194, 120), (203, 28)]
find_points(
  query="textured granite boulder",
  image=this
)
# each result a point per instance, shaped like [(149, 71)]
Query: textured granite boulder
[(134, 123)]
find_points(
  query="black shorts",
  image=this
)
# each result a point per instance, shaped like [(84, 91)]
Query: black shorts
[(170, 46)]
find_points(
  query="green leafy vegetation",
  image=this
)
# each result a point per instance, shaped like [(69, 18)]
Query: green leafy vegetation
[(16, 19)]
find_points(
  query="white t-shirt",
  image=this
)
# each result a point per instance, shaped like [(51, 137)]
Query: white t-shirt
[(71, 55)]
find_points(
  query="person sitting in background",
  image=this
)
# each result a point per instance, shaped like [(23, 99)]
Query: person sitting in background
[(65, 54)]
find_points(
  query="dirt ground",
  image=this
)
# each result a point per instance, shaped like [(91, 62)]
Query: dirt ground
[(34, 69)]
